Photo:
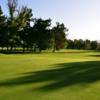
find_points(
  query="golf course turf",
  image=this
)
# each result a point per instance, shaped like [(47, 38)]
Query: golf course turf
[(63, 75)]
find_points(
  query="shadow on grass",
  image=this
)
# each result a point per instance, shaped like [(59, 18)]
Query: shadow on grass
[(98, 56), (19, 51), (66, 74), (75, 51)]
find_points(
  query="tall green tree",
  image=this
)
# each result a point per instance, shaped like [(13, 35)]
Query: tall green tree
[(2, 18), (26, 33), (94, 45), (82, 44), (71, 44), (15, 22), (3, 28), (59, 34), (42, 32), (88, 47)]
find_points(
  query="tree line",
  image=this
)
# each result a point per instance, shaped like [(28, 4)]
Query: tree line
[(16, 30), (83, 44)]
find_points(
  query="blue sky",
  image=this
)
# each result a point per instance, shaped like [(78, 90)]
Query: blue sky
[(81, 17)]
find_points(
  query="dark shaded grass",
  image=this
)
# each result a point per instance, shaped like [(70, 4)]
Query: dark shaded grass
[(20, 51), (94, 55), (66, 74)]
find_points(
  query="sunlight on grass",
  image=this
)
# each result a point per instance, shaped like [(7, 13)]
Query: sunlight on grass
[(63, 75)]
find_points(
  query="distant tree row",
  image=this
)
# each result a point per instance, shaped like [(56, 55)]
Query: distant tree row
[(16, 30), (83, 44)]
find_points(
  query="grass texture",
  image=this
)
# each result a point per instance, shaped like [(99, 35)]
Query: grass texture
[(63, 75)]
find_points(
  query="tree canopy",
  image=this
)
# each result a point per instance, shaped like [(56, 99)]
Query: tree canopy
[(20, 31)]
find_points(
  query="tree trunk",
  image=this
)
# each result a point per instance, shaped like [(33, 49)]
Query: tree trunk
[(54, 49), (15, 48), (31, 47), (2, 48), (54, 46), (11, 49), (23, 49), (27, 49), (35, 48), (40, 49), (58, 49), (23, 46), (7, 48)]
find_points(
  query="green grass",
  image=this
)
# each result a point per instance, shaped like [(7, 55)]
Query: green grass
[(63, 75)]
